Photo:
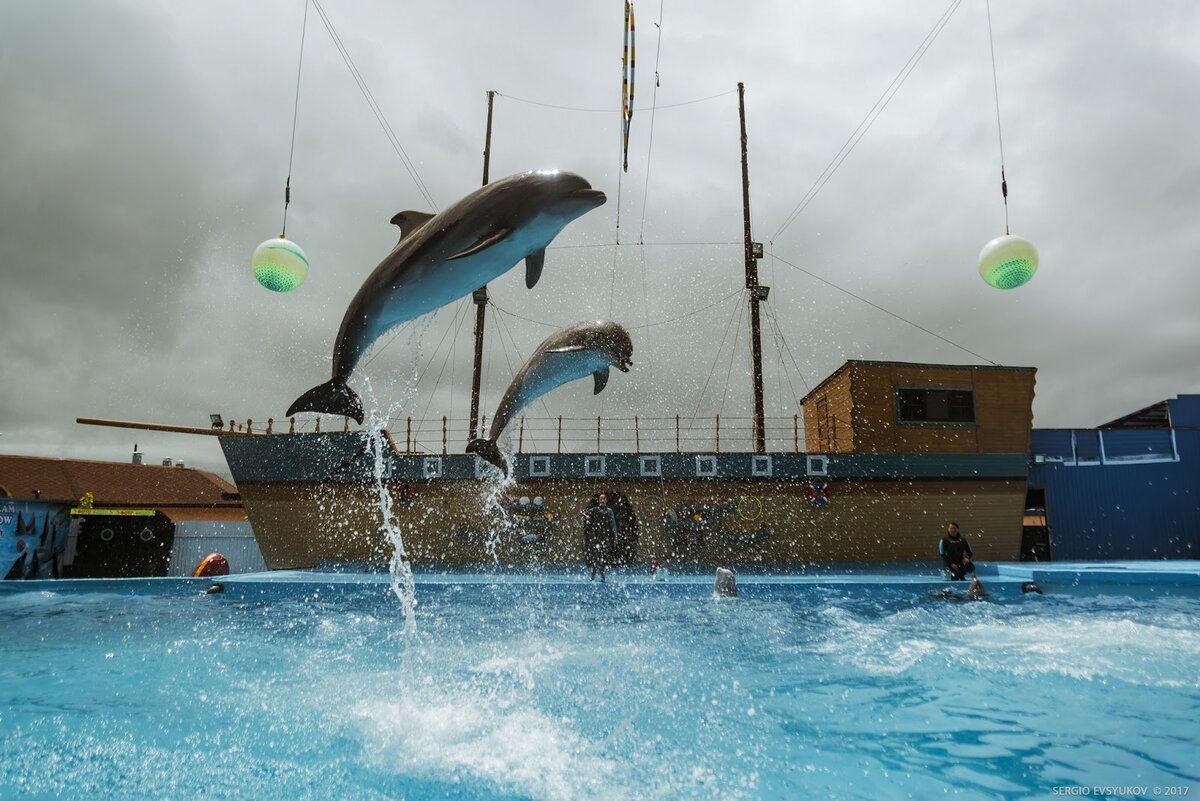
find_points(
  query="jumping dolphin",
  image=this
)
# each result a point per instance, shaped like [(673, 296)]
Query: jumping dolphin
[(576, 351), (443, 257)]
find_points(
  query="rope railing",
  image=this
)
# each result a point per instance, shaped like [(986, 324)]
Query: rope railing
[(538, 435)]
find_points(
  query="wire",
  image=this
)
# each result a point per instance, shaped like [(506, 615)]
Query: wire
[(609, 110), (885, 311), (287, 186), (870, 118), (650, 146), (640, 245), (999, 132), (737, 333), (721, 347), (455, 325), (692, 313), (375, 109)]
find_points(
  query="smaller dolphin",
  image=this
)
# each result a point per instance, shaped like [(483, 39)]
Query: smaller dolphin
[(725, 584), (440, 258), (576, 351)]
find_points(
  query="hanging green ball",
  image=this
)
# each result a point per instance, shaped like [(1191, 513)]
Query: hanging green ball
[(279, 264), (1008, 262)]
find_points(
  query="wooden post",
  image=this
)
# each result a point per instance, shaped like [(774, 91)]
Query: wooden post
[(444, 433), (292, 425), (480, 295), (521, 436), (597, 433), (795, 433), (345, 424), (408, 448), (677, 433), (718, 433), (270, 425), (249, 425), (231, 425), (637, 436), (560, 433), (318, 424), (760, 437)]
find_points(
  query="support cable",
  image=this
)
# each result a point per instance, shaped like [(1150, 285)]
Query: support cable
[(650, 146), (885, 311), (999, 132), (609, 110), (716, 358), (876, 110), (287, 187), (375, 108)]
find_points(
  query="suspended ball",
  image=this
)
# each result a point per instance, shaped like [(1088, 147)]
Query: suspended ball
[(1008, 262), (279, 265)]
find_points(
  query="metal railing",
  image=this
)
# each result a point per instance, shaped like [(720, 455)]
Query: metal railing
[(599, 434)]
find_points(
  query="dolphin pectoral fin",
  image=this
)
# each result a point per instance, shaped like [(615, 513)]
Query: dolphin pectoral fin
[(332, 397), (485, 242), (533, 267), (486, 449), (409, 221), (601, 377)]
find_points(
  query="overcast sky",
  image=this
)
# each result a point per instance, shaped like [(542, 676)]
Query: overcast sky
[(144, 147)]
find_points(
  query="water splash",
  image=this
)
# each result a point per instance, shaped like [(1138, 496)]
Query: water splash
[(379, 444), (495, 485)]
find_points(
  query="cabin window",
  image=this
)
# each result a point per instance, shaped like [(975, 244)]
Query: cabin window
[(935, 405), (760, 465), (432, 467), (593, 465), (706, 466), (539, 465), (651, 466)]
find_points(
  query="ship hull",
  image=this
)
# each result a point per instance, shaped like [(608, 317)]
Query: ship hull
[(314, 499)]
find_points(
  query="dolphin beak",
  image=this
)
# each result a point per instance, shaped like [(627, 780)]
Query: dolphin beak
[(592, 197), (624, 365)]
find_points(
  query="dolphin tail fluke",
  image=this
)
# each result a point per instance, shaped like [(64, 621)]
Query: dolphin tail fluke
[(332, 397), (486, 449)]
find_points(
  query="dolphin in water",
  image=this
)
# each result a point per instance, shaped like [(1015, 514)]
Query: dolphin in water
[(579, 350), (443, 257)]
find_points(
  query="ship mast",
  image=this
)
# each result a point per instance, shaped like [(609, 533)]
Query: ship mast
[(480, 296), (757, 293)]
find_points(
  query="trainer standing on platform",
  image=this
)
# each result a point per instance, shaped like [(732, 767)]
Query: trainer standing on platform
[(599, 533)]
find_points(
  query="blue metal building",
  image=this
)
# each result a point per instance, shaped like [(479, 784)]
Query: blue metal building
[(1129, 489)]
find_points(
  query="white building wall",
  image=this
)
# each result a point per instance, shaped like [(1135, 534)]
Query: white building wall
[(196, 539)]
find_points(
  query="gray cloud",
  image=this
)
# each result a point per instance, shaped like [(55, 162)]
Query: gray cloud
[(145, 150)]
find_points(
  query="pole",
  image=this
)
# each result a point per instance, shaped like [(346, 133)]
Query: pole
[(760, 434), (480, 296)]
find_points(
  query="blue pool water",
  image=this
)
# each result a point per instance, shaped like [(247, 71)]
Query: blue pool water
[(301, 686)]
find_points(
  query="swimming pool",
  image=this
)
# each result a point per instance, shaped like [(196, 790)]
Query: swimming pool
[(304, 685)]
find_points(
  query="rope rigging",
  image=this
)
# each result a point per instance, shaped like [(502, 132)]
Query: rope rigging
[(999, 132), (287, 187), (885, 311), (865, 125), (375, 109)]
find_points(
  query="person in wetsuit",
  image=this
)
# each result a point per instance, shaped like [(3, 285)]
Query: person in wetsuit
[(599, 533), (956, 553)]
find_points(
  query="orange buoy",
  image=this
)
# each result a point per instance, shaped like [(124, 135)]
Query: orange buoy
[(212, 565)]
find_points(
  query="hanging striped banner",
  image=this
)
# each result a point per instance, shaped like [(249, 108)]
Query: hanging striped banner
[(628, 62)]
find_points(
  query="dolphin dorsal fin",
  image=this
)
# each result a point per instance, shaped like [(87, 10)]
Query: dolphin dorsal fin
[(409, 221), (483, 243), (533, 267), (601, 377)]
